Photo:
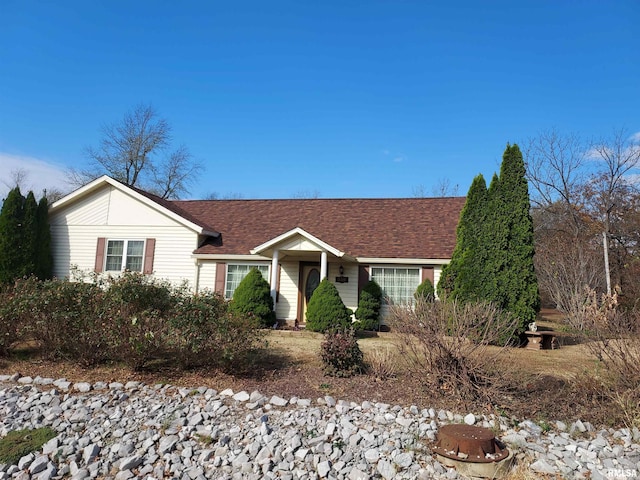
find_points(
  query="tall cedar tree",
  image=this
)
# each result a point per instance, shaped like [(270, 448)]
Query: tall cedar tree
[(495, 242), (253, 297), (11, 221), (465, 278), (29, 236), (493, 257), (44, 256), (516, 279)]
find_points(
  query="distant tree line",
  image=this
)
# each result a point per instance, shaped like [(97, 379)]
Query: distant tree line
[(25, 237)]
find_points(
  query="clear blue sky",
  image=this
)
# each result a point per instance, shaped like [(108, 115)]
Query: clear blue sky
[(344, 98)]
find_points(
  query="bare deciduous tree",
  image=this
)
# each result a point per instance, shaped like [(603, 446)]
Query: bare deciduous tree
[(306, 194), (130, 151), (19, 178), (582, 189), (442, 188)]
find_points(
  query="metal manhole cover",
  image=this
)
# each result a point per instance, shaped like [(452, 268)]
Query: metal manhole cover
[(467, 443)]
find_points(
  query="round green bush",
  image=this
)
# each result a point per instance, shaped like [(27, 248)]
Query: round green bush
[(326, 310), (253, 297), (368, 312), (425, 291)]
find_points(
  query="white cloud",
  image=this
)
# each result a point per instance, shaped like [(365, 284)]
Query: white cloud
[(635, 137), (39, 174), (398, 158)]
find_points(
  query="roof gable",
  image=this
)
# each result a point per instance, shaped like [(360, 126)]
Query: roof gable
[(296, 240), (151, 201)]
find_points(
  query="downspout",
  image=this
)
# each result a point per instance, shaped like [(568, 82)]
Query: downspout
[(197, 276)]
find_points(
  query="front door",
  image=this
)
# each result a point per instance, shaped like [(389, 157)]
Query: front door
[(310, 281)]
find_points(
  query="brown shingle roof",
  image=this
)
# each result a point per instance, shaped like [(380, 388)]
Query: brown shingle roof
[(380, 228), (175, 208)]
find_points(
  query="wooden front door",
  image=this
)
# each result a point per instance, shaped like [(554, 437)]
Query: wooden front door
[(310, 280)]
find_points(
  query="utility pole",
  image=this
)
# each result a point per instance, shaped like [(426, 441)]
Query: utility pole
[(605, 244)]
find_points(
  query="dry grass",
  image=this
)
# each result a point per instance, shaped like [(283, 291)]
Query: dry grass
[(291, 366)]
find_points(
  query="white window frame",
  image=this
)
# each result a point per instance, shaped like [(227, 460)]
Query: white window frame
[(390, 301), (124, 256), (243, 264)]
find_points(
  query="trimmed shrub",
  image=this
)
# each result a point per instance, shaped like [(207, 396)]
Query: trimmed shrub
[(253, 297), (138, 338), (341, 356), (326, 310), (235, 338), (204, 332), (140, 292), (15, 310), (368, 312), (66, 318), (137, 307), (194, 321), (425, 291)]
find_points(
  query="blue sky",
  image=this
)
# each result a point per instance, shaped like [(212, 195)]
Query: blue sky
[(343, 98)]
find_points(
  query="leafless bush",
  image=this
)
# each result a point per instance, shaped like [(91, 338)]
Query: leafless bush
[(452, 345), (381, 363), (614, 338)]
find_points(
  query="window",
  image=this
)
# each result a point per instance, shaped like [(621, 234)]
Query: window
[(118, 260), (398, 284), (236, 272)]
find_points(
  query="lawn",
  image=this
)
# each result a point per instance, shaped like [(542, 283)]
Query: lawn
[(543, 384)]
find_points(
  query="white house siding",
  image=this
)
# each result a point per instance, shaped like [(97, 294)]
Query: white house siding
[(348, 291), (111, 214), (110, 206), (437, 272), (75, 246), (207, 280), (287, 306)]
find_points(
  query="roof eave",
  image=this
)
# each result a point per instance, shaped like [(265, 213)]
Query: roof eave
[(105, 179)]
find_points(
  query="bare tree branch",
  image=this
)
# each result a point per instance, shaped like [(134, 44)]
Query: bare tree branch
[(130, 151), (176, 173)]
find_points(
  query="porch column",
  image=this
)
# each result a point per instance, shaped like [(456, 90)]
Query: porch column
[(323, 266), (274, 276)]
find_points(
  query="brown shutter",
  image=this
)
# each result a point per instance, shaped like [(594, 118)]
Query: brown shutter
[(149, 251), (221, 270), (100, 251), (363, 278), (427, 272)]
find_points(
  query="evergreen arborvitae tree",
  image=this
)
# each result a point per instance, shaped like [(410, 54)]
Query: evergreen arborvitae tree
[(369, 305), (493, 257), (29, 236), (465, 277), (11, 221), (496, 236), (425, 291), (44, 256), (516, 279), (326, 311), (253, 296)]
